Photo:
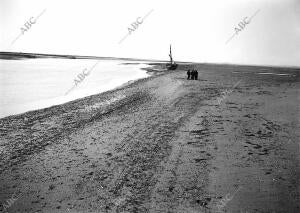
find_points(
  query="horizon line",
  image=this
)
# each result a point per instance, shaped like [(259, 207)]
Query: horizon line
[(152, 60)]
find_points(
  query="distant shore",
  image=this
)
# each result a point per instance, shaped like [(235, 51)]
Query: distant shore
[(21, 55)]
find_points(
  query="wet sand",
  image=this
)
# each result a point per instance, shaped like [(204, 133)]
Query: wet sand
[(227, 142)]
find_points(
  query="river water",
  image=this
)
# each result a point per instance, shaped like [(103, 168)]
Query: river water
[(32, 84)]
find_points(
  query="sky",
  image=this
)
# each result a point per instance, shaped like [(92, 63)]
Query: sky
[(197, 29)]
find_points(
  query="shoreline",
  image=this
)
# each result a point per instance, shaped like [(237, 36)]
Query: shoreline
[(28, 119), (148, 70)]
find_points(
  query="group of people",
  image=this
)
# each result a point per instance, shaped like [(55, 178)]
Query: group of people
[(192, 74)]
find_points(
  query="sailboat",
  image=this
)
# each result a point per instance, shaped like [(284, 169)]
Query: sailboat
[(172, 65)]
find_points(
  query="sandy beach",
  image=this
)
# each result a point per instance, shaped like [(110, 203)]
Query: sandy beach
[(228, 142)]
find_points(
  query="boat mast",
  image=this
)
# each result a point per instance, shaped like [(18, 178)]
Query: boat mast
[(171, 59)]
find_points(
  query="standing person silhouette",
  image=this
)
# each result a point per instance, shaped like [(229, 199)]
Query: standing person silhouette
[(196, 75), (188, 74)]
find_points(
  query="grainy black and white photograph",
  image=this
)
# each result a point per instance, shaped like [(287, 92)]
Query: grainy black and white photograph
[(148, 106)]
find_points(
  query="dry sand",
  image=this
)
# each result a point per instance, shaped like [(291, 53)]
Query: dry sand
[(225, 143)]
